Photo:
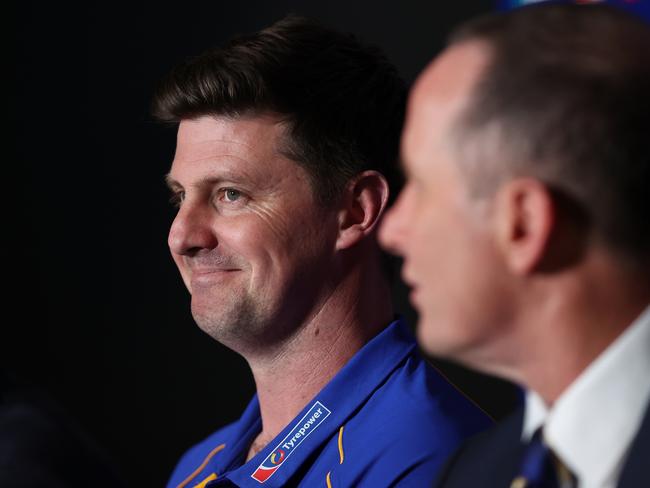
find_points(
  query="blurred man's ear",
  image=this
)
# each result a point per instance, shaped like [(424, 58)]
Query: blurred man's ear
[(362, 206), (524, 220)]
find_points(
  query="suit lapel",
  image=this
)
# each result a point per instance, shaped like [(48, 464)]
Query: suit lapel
[(490, 460)]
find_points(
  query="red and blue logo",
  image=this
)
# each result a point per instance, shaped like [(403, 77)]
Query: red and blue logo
[(305, 426), (277, 457)]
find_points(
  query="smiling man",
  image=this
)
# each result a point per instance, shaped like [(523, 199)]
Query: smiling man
[(525, 232), (285, 159)]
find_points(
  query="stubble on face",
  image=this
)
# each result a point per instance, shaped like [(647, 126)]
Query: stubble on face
[(221, 308), (235, 319)]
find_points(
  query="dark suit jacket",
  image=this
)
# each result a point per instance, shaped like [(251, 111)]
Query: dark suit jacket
[(491, 459)]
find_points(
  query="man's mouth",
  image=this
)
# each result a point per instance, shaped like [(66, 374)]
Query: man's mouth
[(208, 276)]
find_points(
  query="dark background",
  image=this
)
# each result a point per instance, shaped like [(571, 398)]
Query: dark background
[(95, 313)]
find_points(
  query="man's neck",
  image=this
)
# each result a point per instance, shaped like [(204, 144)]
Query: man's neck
[(576, 324), (292, 376)]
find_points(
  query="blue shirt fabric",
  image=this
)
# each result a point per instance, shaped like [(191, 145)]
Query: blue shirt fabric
[(386, 419)]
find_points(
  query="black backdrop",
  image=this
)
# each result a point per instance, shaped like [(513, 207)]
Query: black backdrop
[(95, 313)]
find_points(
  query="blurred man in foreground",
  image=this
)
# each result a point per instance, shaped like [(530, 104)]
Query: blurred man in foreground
[(526, 236), (286, 150)]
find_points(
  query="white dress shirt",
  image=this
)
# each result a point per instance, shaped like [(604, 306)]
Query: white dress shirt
[(593, 423)]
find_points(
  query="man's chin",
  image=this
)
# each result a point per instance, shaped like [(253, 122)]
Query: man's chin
[(437, 339), (228, 320), (221, 330)]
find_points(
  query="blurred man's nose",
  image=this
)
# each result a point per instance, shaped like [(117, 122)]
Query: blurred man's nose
[(393, 228), (191, 230)]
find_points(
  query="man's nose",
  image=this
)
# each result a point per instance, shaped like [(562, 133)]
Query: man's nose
[(191, 230), (393, 229)]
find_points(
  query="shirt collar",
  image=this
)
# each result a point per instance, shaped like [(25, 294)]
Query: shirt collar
[(342, 397), (534, 416), (612, 394)]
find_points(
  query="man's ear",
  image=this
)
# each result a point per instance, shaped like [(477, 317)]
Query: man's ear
[(524, 218), (362, 206)]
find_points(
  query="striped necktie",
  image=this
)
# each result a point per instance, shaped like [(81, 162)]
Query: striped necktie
[(540, 468)]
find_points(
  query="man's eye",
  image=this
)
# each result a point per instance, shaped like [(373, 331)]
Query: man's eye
[(231, 195)]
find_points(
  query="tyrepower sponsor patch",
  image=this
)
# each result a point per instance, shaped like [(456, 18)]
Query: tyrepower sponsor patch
[(305, 426)]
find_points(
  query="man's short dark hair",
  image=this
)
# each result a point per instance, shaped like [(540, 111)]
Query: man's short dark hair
[(343, 102), (566, 97)]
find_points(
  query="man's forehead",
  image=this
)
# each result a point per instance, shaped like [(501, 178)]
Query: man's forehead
[(252, 137), (243, 134), (243, 151), (451, 77), (441, 94)]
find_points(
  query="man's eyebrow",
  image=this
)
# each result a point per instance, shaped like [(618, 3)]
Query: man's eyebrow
[(171, 183), (174, 185)]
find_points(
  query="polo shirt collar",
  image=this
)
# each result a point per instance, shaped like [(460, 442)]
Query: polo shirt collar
[(325, 413)]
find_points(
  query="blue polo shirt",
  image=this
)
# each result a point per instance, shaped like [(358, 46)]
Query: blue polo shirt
[(386, 419)]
